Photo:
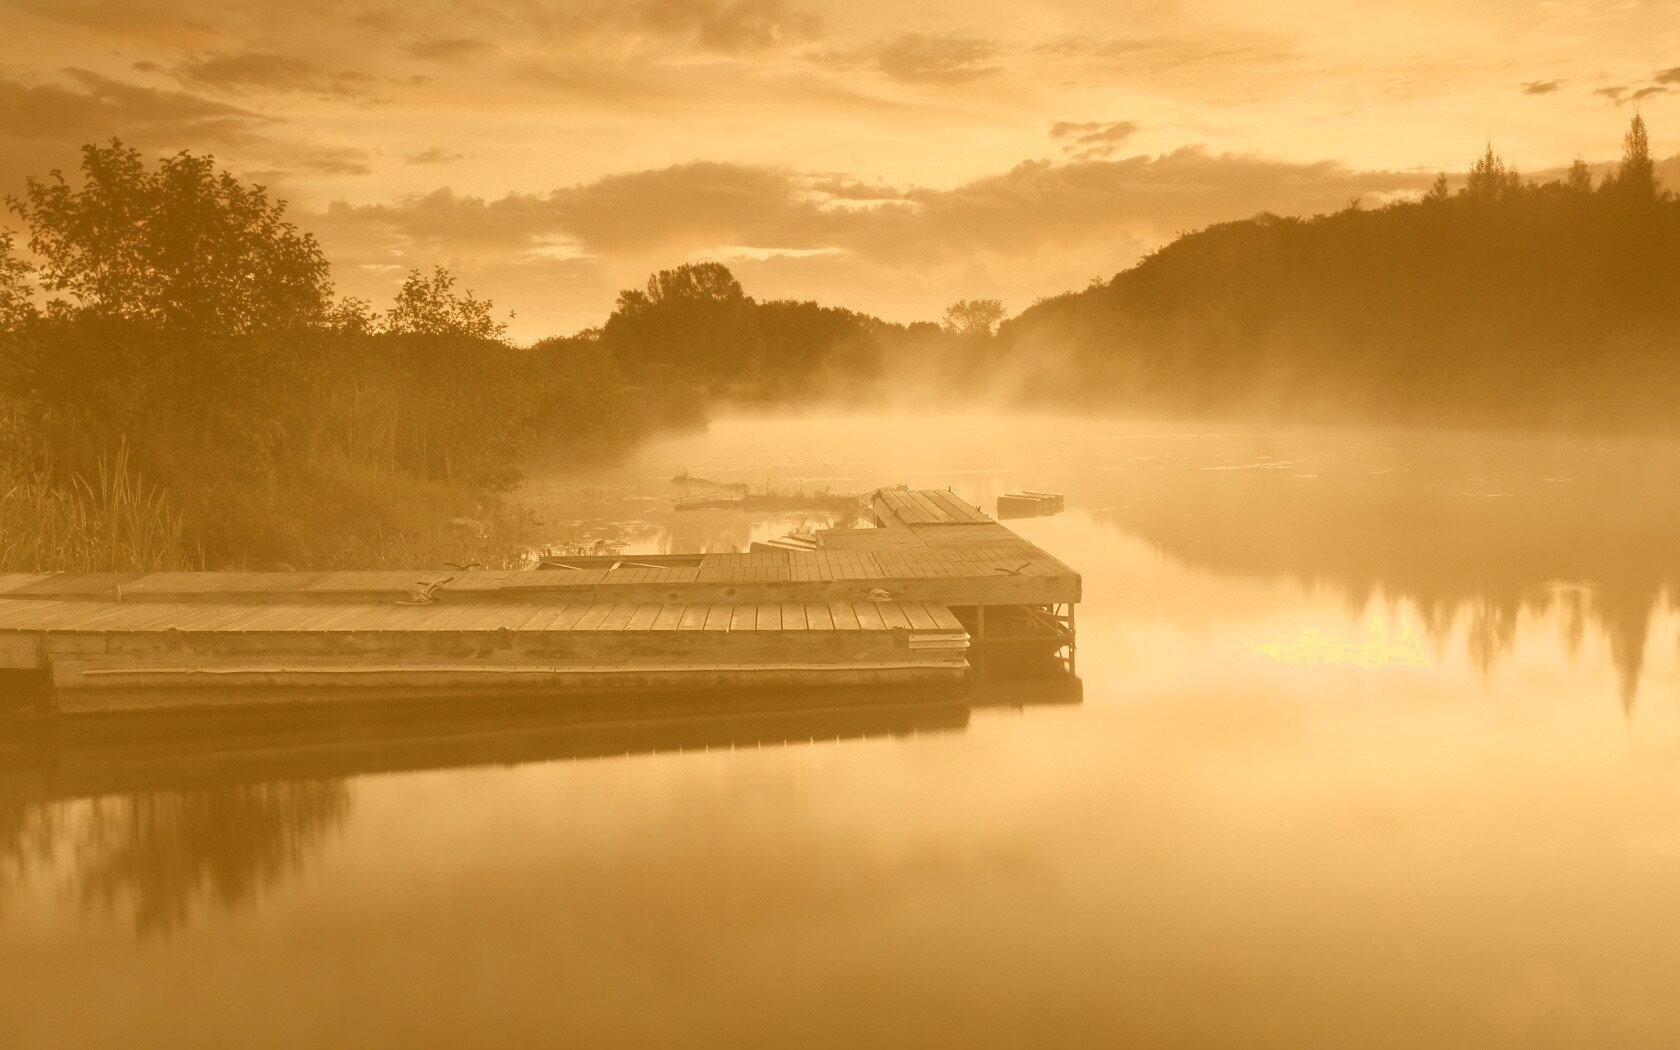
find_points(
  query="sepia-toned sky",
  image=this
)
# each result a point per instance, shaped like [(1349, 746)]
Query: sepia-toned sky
[(889, 155)]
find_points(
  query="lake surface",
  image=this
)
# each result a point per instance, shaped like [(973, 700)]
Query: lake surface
[(1379, 746)]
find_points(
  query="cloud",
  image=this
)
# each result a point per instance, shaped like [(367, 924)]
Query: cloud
[(742, 27), (1038, 205), (1218, 65), (94, 107), (842, 188), (330, 160), (1668, 76), (254, 71), (43, 125), (449, 50), (1541, 87), (1092, 140), (871, 246), (1620, 94), (936, 59), (434, 155)]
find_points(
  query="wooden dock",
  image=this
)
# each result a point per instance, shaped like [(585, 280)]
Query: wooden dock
[(912, 602)]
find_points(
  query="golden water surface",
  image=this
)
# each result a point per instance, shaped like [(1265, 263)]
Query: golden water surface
[(1379, 746)]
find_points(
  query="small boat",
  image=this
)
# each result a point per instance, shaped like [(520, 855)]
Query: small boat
[(1029, 505)]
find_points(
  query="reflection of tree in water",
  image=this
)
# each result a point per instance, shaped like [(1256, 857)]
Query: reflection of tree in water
[(27, 836), (165, 853), (1473, 531)]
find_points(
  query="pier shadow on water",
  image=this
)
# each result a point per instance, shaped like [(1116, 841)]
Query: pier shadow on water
[(165, 817)]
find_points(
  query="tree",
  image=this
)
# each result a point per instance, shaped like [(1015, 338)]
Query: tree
[(974, 317), (1579, 180), (185, 248), (431, 306), (1437, 190), (1490, 179), (1636, 176), (695, 281), (15, 305), (695, 317)]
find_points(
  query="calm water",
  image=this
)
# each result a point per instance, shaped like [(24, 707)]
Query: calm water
[(1379, 746)]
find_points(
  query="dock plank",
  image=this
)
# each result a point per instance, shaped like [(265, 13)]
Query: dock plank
[(869, 615), (920, 618), (892, 615), (593, 617), (567, 616)]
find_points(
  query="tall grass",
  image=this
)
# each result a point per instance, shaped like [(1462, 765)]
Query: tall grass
[(105, 519)]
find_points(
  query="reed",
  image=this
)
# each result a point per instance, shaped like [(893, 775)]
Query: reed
[(104, 520)]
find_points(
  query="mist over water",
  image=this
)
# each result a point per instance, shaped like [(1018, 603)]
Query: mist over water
[(1379, 746)]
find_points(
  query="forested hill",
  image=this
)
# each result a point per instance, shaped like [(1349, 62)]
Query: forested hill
[(1508, 301)]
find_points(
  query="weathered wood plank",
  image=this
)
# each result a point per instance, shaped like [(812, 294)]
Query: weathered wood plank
[(892, 615), (920, 618), (869, 616), (593, 617)]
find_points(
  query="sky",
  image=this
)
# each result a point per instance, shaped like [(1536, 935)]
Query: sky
[(891, 156)]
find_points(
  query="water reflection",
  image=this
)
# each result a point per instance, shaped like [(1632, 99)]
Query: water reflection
[(1351, 771), (1473, 533), (161, 856), (165, 817)]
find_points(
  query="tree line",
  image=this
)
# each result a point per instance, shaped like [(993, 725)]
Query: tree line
[(181, 384), (1503, 301)]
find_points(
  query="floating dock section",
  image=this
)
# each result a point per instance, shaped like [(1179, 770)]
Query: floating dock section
[(934, 590), (1029, 504)]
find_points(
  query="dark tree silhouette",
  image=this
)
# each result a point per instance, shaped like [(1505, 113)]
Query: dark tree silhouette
[(1636, 176), (184, 248), (15, 306), (1507, 302), (431, 306), (1490, 179), (1579, 180), (973, 317)]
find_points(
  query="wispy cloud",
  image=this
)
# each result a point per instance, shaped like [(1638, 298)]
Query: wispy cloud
[(449, 49), (434, 155), (252, 72), (1091, 140), (937, 59)]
